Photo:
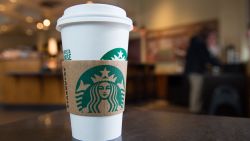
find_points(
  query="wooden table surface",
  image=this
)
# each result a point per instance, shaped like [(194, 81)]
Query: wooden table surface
[(138, 125)]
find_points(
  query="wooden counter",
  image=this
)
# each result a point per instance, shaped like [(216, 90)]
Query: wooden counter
[(22, 83), (34, 88)]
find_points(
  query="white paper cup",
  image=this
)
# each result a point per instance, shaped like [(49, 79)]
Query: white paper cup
[(89, 31)]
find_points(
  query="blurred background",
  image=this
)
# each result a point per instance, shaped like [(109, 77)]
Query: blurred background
[(188, 56)]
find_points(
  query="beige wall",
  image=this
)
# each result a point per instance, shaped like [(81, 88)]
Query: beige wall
[(233, 22), (167, 13), (231, 14)]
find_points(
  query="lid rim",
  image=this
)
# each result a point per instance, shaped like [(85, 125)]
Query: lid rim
[(90, 13), (60, 26)]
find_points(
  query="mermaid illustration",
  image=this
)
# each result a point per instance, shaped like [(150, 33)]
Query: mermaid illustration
[(92, 89)]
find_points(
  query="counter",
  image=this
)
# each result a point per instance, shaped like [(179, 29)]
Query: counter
[(153, 126)]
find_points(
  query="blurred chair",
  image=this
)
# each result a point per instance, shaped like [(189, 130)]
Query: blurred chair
[(225, 92), (225, 101)]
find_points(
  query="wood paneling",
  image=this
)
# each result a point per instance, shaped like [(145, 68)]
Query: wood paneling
[(53, 90), (21, 90), (21, 82), (1, 80)]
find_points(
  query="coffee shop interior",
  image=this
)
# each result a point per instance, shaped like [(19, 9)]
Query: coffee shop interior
[(185, 56)]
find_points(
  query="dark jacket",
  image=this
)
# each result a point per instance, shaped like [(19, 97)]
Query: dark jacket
[(198, 57)]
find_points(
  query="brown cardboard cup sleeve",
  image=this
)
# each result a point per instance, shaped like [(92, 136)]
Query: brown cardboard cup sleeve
[(95, 88)]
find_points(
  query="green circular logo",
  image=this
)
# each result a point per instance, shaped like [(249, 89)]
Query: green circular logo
[(116, 54), (104, 83)]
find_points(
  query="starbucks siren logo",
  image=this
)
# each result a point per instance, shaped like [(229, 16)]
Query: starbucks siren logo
[(119, 54), (99, 84)]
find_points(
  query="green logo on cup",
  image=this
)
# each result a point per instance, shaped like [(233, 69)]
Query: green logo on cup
[(100, 84), (115, 54)]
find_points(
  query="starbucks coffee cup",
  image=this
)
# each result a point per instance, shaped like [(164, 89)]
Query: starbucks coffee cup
[(94, 32)]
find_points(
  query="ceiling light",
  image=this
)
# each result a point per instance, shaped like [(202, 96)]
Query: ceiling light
[(39, 26), (46, 22), (2, 7), (29, 19), (52, 47), (13, 1)]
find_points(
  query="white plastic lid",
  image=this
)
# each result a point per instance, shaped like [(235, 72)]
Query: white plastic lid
[(94, 13)]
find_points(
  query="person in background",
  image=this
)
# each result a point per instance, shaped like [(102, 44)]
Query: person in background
[(202, 51)]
